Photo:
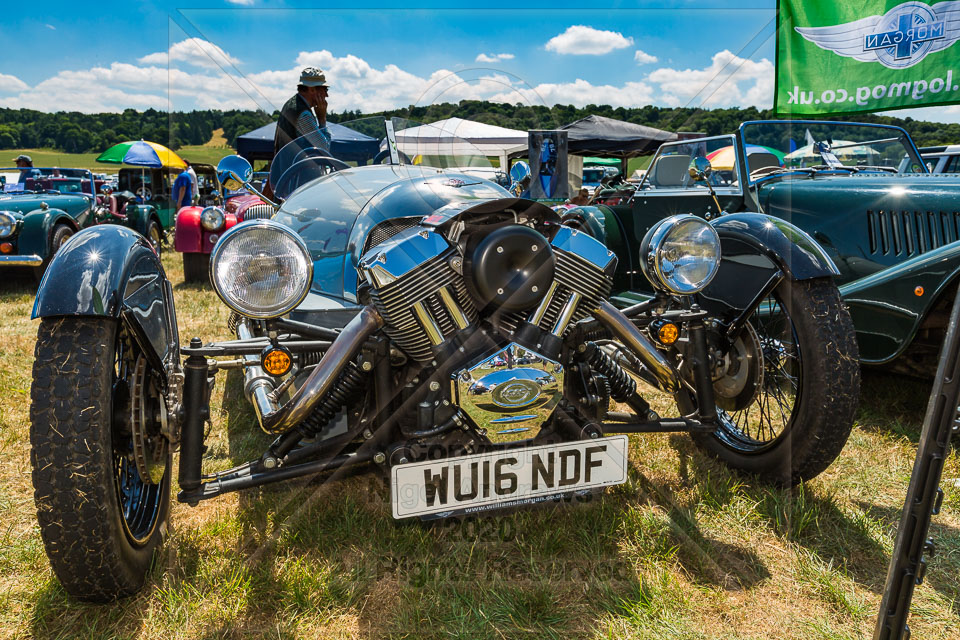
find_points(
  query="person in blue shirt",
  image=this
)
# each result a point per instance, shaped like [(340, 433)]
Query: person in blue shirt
[(183, 189), (25, 164)]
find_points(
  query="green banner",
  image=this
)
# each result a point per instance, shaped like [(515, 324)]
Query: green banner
[(868, 55)]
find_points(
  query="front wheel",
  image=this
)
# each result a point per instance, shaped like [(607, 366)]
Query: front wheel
[(101, 466), (806, 394), (155, 235)]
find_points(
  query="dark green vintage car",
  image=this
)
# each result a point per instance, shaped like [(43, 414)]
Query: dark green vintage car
[(860, 190), (40, 208)]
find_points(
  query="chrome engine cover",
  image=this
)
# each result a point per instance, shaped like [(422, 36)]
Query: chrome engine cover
[(510, 392)]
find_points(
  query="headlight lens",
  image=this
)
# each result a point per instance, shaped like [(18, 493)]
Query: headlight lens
[(212, 218), (261, 269), (680, 254), (8, 224)]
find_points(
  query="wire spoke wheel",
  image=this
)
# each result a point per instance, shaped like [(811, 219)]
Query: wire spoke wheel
[(769, 417), (795, 421)]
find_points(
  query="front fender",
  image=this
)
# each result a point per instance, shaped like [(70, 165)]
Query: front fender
[(889, 306), (753, 248), (34, 236), (112, 271)]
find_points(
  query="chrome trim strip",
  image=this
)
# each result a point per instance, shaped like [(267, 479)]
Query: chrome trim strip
[(30, 260)]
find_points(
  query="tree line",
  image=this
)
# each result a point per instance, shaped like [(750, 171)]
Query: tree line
[(75, 132)]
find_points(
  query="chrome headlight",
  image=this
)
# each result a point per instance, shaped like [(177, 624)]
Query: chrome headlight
[(680, 254), (8, 224), (261, 269), (212, 218)]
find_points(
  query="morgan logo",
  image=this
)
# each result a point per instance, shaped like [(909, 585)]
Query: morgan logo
[(898, 39)]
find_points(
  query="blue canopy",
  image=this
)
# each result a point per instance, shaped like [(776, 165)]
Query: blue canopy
[(346, 144)]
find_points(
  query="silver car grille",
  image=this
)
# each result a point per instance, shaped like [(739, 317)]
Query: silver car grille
[(258, 212)]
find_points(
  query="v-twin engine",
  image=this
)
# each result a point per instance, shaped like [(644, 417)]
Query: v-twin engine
[(428, 291), (524, 290)]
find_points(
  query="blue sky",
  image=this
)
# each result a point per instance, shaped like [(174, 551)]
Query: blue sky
[(246, 53)]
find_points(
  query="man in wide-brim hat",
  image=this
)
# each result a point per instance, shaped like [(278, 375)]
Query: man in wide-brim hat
[(305, 114)]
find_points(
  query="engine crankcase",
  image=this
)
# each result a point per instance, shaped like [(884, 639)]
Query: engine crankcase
[(509, 393)]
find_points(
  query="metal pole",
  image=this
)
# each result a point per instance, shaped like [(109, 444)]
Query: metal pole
[(924, 496)]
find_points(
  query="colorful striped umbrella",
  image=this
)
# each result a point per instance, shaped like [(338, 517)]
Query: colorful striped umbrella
[(142, 154), (725, 157)]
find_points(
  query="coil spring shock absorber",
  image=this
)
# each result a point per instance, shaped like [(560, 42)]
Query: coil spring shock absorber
[(622, 387), (348, 385)]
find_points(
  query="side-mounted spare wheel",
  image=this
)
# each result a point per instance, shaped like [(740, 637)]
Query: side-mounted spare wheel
[(101, 466)]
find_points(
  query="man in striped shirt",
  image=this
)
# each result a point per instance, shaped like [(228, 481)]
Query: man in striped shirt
[(305, 114)]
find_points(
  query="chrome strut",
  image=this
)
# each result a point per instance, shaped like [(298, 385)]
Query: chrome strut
[(258, 385), (631, 337)]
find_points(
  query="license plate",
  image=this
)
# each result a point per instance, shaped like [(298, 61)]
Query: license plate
[(504, 478)]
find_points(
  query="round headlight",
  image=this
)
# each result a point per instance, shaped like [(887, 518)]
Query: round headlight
[(261, 269), (212, 218), (680, 254), (8, 224)]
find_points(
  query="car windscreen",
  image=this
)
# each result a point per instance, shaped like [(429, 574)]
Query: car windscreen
[(861, 146), (47, 179), (670, 167)]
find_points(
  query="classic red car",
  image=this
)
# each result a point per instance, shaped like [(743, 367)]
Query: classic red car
[(199, 228)]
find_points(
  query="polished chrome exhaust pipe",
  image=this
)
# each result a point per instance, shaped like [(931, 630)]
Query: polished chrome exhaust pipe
[(654, 361), (258, 385)]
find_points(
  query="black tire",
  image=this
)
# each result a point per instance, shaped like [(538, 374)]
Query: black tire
[(196, 267), (155, 235), (809, 347), (60, 234), (97, 552)]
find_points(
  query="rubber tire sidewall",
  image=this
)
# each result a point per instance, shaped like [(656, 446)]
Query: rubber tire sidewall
[(196, 267), (150, 226), (829, 392), (123, 565), (60, 234)]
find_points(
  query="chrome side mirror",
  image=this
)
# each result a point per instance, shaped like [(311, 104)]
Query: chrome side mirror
[(234, 172), (700, 169)]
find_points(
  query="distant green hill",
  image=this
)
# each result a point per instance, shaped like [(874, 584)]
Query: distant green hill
[(79, 133)]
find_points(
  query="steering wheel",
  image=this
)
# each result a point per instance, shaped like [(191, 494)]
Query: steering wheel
[(305, 170), (144, 193)]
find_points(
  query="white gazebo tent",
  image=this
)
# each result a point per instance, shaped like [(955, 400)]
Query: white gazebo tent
[(460, 138)]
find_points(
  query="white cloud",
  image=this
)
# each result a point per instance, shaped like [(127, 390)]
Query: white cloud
[(642, 57), (582, 40), (358, 85), (581, 93), (728, 81), (194, 51), (246, 3), (494, 57), (50, 26), (10, 84)]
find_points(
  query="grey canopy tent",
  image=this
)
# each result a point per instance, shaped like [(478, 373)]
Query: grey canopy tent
[(346, 144), (609, 138)]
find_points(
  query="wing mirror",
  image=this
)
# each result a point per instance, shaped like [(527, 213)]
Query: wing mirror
[(700, 169), (235, 172), (519, 177)]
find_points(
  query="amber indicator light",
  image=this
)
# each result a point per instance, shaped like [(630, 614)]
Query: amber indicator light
[(668, 333), (6, 247), (275, 361), (918, 291)]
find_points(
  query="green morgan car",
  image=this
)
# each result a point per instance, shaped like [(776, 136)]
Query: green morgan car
[(40, 208), (862, 191)]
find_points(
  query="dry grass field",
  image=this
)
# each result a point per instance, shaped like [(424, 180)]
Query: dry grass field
[(685, 549)]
